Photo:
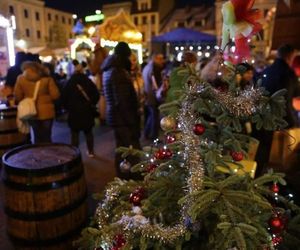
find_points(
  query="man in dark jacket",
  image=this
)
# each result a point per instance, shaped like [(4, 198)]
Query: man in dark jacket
[(121, 101), (79, 98), (278, 76), (152, 75)]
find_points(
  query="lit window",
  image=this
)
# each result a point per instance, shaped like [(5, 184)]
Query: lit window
[(11, 10), (153, 19), (25, 13), (144, 19), (27, 32)]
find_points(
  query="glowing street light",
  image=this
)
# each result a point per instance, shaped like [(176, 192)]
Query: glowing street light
[(98, 12), (74, 16)]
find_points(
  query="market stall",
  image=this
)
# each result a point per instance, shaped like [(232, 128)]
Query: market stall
[(120, 28)]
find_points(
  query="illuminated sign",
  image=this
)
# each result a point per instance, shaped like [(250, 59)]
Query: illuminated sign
[(94, 18)]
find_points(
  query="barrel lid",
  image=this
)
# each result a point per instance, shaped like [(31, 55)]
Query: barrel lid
[(40, 157)]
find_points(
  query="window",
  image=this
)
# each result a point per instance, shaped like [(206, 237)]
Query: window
[(27, 32), (144, 38), (56, 17), (38, 34), (70, 35), (180, 24), (144, 6), (25, 13), (136, 20), (144, 20), (153, 19), (200, 23), (49, 17), (37, 16), (153, 33), (11, 10), (63, 19), (70, 21)]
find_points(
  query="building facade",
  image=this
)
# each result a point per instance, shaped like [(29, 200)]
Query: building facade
[(37, 25), (199, 18)]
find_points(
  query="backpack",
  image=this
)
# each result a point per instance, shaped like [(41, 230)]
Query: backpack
[(27, 107)]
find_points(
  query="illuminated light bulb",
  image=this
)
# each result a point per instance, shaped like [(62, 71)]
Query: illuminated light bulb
[(176, 48), (199, 53), (98, 12), (181, 48), (216, 47), (74, 16), (207, 47), (207, 54), (199, 47), (191, 47)]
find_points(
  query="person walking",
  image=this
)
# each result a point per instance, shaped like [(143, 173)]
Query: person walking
[(79, 98), (34, 72), (121, 102), (278, 76), (154, 87)]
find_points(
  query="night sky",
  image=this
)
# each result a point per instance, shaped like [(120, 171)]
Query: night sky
[(85, 7)]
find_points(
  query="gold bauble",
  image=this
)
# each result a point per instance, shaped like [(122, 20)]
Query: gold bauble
[(168, 123)]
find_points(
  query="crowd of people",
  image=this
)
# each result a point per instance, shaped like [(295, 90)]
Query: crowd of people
[(132, 94)]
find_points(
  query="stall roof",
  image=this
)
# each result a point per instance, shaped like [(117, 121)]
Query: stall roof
[(184, 35), (120, 28)]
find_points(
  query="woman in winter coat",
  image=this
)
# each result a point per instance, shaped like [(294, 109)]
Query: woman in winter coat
[(48, 92), (121, 101), (79, 98)]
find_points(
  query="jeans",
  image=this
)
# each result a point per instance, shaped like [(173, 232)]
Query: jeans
[(41, 130), (88, 137), (151, 130)]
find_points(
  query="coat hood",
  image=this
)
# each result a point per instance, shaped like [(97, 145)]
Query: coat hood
[(33, 71)]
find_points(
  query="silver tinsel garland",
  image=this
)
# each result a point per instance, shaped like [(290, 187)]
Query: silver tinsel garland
[(245, 104)]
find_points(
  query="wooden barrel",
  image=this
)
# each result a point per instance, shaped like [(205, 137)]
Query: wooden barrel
[(9, 134), (44, 196)]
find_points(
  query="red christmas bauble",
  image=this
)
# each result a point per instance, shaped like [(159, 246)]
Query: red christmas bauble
[(237, 156), (275, 188), (119, 240), (151, 167), (115, 248), (277, 240), (170, 139), (277, 224), (199, 129), (163, 154), (137, 196)]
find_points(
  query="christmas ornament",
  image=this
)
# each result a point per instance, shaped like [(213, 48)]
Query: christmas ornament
[(277, 240), (239, 23), (170, 138), (119, 241), (137, 195), (125, 166), (277, 224), (163, 154), (237, 156), (151, 167), (167, 123), (275, 188), (199, 129)]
